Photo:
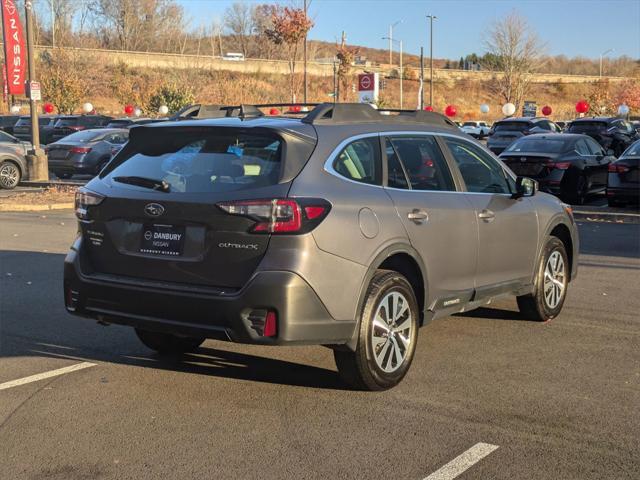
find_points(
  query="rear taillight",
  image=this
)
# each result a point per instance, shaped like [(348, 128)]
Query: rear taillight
[(80, 150), (618, 168), (280, 215), (84, 200), (76, 128), (558, 165)]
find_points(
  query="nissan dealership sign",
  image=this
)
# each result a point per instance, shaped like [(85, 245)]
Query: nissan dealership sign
[(368, 87)]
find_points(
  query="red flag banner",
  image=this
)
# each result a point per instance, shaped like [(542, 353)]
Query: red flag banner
[(14, 47)]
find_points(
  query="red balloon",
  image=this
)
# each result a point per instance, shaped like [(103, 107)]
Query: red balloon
[(429, 108), (48, 107), (582, 106), (450, 111), (274, 111), (128, 109), (546, 110)]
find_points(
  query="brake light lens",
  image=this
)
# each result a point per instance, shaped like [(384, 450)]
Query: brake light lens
[(280, 215), (84, 200), (558, 165), (618, 168), (80, 150)]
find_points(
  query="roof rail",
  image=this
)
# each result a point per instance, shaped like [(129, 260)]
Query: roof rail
[(340, 113)]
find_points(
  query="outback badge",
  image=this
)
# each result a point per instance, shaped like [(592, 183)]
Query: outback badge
[(153, 209)]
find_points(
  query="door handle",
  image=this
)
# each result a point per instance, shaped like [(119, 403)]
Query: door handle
[(418, 216), (487, 215)]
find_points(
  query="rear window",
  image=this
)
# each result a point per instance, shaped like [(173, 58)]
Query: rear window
[(539, 145), (41, 121), (633, 150), (511, 126), (581, 127), (23, 121), (119, 123), (469, 124), (67, 122), (84, 136), (219, 160)]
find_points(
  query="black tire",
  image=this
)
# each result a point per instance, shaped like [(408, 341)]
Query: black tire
[(168, 344), (10, 175), (579, 197), (359, 369), (535, 306)]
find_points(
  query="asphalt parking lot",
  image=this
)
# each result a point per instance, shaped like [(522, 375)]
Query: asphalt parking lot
[(489, 395)]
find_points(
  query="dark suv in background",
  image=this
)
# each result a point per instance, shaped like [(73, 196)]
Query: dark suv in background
[(68, 124), (612, 133), (22, 128), (504, 132), (346, 228), (7, 123)]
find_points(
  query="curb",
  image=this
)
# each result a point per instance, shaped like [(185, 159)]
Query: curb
[(20, 207), (630, 218)]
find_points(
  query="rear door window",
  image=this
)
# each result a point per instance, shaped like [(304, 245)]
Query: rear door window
[(360, 161), (581, 147), (422, 162), (593, 146), (203, 161)]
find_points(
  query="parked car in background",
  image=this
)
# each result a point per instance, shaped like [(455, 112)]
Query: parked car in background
[(131, 122), (624, 177), (238, 228), (7, 122), (504, 132), (68, 124), (568, 165), (476, 129), (85, 152), (612, 133), (22, 129), (13, 163)]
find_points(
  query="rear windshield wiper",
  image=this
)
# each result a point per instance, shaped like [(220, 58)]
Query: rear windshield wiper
[(153, 184)]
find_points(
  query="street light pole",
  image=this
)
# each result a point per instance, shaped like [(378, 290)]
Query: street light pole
[(602, 55), (401, 76), (431, 19), (390, 37), (305, 56)]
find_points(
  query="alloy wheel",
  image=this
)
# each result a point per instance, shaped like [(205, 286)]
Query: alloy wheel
[(9, 175), (554, 280), (391, 331)]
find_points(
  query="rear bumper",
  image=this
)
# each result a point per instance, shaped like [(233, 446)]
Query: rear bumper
[(627, 192), (73, 168), (302, 317)]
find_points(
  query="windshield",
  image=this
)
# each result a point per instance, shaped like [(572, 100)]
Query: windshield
[(26, 121), (84, 136), (511, 126), (633, 150), (119, 123), (581, 127), (207, 160), (539, 145)]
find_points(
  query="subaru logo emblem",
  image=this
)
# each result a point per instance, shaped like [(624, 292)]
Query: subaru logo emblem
[(523, 159), (153, 209)]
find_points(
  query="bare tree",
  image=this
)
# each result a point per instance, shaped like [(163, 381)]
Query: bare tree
[(515, 51), (238, 21)]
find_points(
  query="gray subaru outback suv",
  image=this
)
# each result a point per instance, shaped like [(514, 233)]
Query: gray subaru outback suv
[(349, 228)]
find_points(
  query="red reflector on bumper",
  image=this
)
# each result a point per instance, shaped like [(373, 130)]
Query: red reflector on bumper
[(270, 324)]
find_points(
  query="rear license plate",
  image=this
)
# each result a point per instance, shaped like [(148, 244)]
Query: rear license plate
[(166, 240)]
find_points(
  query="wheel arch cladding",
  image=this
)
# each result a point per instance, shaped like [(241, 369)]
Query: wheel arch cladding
[(562, 233)]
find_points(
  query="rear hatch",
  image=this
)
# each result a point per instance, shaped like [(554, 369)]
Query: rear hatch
[(176, 233), (595, 129), (507, 132), (65, 126)]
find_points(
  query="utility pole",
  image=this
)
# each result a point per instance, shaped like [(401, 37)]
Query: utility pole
[(305, 56), (37, 160), (401, 76), (421, 99), (53, 24), (431, 19)]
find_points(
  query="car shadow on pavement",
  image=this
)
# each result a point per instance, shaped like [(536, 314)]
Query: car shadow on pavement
[(34, 323), (492, 314)]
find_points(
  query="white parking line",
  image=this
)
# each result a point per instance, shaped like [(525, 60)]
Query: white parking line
[(462, 462), (42, 376)]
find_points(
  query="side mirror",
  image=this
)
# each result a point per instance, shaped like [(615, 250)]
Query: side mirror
[(525, 187)]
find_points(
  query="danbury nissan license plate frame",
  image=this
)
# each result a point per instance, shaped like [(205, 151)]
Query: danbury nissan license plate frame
[(164, 240)]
